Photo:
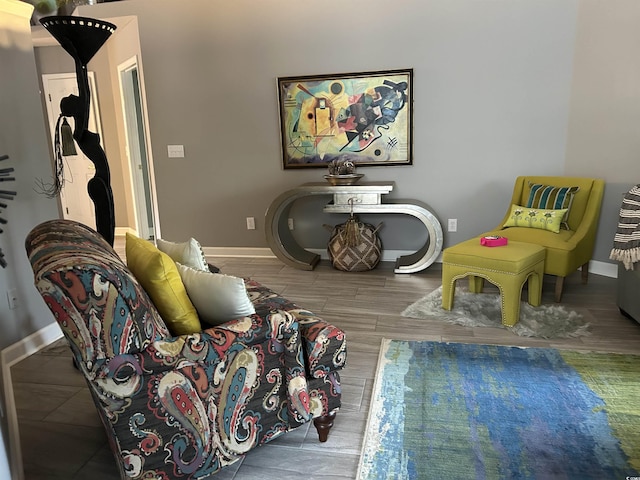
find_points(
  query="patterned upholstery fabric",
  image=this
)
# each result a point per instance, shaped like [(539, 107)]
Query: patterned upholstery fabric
[(186, 406)]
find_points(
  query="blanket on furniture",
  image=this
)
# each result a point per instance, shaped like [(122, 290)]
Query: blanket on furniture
[(626, 243)]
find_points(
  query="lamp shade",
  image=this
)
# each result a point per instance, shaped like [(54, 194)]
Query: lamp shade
[(81, 37)]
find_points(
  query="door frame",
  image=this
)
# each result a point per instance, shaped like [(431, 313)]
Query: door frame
[(129, 64)]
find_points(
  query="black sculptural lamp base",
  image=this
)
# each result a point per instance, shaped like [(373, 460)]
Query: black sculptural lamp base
[(82, 37)]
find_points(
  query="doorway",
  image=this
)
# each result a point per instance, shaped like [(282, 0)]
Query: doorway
[(136, 147), (74, 197)]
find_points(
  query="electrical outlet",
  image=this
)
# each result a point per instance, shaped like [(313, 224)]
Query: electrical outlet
[(453, 225), (12, 298), (251, 223), (290, 222)]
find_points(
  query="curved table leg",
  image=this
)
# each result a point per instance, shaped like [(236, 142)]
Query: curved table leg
[(280, 238), (285, 247), (429, 252)]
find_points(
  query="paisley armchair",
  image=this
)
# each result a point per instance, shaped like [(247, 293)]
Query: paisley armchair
[(183, 406)]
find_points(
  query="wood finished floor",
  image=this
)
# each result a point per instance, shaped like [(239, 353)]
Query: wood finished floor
[(62, 438)]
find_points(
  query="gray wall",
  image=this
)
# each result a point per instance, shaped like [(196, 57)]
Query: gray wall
[(603, 136), (493, 100), (501, 89), (23, 138)]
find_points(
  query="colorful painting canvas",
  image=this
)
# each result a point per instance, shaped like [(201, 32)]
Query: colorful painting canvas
[(362, 117)]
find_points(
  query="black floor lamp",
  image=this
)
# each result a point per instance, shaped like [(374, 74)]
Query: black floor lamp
[(82, 37)]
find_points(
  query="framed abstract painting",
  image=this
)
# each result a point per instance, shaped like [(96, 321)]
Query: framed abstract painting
[(362, 117)]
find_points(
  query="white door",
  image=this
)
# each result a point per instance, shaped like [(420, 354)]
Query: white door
[(78, 169), (136, 146)]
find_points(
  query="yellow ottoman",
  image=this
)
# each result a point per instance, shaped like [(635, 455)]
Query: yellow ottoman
[(508, 267)]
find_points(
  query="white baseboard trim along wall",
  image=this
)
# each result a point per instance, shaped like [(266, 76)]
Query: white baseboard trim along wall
[(599, 268), (8, 357), (122, 231)]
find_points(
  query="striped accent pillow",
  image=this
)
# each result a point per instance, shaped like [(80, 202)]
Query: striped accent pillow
[(549, 197)]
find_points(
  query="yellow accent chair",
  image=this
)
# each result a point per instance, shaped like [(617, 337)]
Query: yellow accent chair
[(567, 250)]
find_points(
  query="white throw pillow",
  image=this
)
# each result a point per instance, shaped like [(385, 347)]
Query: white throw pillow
[(187, 253), (218, 298)]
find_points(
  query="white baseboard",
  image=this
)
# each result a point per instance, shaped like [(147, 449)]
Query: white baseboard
[(31, 344), (596, 267), (8, 357), (122, 231), (605, 269), (387, 255), (258, 252), (261, 252)]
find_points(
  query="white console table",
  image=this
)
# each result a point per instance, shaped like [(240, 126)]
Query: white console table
[(367, 198)]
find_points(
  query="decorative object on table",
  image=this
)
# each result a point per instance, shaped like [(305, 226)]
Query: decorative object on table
[(82, 37), (5, 176), (354, 246), (451, 410), (493, 241), (348, 179), (626, 242), (367, 115), (342, 172), (342, 166), (484, 310)]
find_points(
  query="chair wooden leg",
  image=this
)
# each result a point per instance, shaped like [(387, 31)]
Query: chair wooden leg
[(323, 425), (559, 285), (585, 273)]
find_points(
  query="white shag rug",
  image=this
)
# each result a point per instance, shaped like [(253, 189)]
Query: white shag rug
[(483, 310)]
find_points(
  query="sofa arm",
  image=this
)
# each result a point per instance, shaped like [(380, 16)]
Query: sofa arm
[(214, 394), (206, 348), (325, 345), (269, 348)]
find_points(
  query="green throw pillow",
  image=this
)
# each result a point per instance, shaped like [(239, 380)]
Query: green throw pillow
[(536, 218), (548, 197)]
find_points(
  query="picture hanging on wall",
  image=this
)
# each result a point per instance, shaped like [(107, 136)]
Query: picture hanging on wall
[(363, 117)]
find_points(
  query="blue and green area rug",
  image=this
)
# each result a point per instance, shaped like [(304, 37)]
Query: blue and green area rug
[(453, 411)]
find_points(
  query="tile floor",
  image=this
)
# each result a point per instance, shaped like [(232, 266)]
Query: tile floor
[(62, 438)]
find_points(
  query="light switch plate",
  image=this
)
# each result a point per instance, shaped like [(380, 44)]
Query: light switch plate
[(175, 151)]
